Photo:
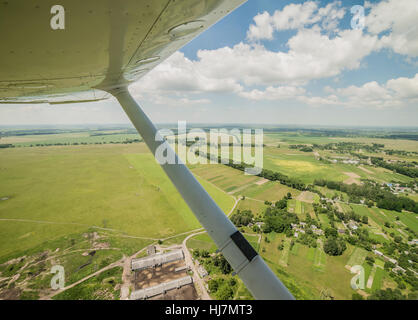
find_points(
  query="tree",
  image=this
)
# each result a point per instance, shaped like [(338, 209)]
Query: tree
[(365, 219), (357, 296), (204, 253), (213, 285), (196, 253), (387, 294), (225, 293), (220, 262), (334, 247), (331, 232), (370, 260)]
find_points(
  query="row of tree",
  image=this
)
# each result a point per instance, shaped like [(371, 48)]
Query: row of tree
[(407, 169)]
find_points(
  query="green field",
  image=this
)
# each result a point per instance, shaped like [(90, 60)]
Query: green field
[(381, 216), (88, 206), (55, 191), (256, 207), (357, 257), (114, 136)]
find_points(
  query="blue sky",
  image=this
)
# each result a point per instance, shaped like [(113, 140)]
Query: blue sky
[(278, 62)]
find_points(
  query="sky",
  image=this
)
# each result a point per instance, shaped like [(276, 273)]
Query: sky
[(276, 62)]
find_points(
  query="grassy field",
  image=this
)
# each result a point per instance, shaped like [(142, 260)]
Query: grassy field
[(52, 199), (382, 216), (55, 191), (357, 257), (303, 167), (306, 167), (256, 207), (117, 136)]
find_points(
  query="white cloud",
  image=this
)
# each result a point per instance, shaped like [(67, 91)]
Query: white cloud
[(369, 92), (274, 93), (404, 88), (312, 54), (397, 20), (296, 16), (394, 93), (179, 74), (262, 29)]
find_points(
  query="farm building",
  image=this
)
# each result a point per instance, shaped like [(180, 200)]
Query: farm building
[(161, 288), (156, 260)]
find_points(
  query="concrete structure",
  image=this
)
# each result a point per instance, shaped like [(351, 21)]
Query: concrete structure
[(202, 271), (151, 250), (378, 253), (160, 288), (180, 269), (156, 260)]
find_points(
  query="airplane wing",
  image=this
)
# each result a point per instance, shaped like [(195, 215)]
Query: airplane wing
[(103, 42)]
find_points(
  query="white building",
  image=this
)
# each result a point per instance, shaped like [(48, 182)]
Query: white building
[(156, 260)]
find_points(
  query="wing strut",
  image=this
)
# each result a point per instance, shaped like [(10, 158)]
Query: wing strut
[(247, 264)]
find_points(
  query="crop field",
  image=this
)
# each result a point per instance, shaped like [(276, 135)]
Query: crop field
[(308, 273), (380, 216), (303, 167), (357, 257), (294, 138), (270, 191), (301, 208), (257, 207), (90, 199), (54, 191), (228, 179), (71, 138), (324, 220)]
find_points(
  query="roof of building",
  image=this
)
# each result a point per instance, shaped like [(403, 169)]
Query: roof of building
[(156, 259), (160, 288)]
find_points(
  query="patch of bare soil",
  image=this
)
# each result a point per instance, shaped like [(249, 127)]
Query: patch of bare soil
[(354, 178), (153, 276), (10, 294), (184, 293), (261, 181), (101, 245), (306, 196)]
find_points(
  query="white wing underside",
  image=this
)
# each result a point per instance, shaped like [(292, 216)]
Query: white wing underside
[(105, 43)]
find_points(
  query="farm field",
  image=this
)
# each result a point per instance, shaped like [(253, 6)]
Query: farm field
[(140, 200), (380, 216), (301, 208), (308, 269), (257, 207), (116, 136), (88, 207)]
